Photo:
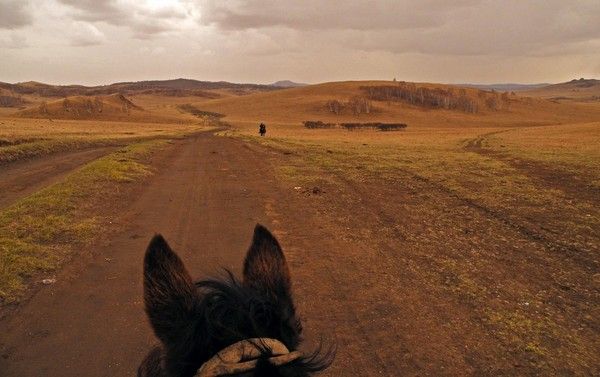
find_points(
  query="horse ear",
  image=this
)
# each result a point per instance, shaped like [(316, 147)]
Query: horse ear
[(169, 293), (265, 268)]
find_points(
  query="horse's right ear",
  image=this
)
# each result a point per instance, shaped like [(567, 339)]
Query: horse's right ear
[(265, 267), (169, 293)]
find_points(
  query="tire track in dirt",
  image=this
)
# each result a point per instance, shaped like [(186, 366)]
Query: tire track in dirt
[(20, 179), (581, 256), (389, 282), (544, 175)]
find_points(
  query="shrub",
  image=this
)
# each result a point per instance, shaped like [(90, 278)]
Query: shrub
[(317, 124)]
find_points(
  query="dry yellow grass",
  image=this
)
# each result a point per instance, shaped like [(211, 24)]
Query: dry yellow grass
[(24, 137), (292, 106), (39, 232)]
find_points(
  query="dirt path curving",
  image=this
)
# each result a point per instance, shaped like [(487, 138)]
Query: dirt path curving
[(20, 179)]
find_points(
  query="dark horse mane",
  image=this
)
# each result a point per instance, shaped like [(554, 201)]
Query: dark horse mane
[(197, 320), (232, 312)]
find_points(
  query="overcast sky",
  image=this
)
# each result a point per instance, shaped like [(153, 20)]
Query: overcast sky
[(104, 41)]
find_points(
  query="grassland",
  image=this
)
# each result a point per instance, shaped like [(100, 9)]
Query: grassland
[(38, 233), (495, 229), (494, 215), (22, 138), (498, 213)]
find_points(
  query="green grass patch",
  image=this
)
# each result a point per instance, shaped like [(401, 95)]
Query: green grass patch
[(41, 231)]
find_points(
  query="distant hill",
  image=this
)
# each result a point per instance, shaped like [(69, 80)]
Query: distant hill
[(287, 84), (113, 107), (504, 87), (577, 89), (177, 87)]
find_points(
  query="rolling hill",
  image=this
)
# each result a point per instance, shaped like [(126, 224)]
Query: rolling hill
[(177, 87), (578, 89), (385, 101), (111, 107), (508, 87)]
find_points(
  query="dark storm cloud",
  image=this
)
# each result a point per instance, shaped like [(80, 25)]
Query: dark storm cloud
[(144, 22), (308, 41), (14, 14)]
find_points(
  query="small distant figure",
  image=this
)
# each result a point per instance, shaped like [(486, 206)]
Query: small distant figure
[(262, 129)]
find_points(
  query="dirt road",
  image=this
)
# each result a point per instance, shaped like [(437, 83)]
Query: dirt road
[(205, 199), (23, 178)]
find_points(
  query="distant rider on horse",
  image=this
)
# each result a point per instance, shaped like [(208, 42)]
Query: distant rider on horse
[(262, 129)]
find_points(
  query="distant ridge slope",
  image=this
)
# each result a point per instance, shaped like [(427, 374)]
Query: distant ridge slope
[(508, 87), (114, 107), (175, 87), (287, 84), (577, 89)]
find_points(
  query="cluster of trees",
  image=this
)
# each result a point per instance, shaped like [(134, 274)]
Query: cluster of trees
[(439, 98), (356, 126), (423, 96), (313, 124), (189, 108), (494, 100), (356, 105), (374, 125)]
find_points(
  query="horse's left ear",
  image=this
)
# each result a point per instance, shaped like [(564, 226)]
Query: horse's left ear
[(169, 293), (265, 267)]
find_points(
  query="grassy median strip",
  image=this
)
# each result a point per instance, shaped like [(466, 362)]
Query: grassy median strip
[(40, 147), (41, 231)]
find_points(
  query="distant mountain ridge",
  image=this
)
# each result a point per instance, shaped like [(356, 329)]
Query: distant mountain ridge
[(287, 84), (580, 89), (174, 87), (507, 87)]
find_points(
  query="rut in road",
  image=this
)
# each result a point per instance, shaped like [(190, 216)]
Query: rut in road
[(205, 198)]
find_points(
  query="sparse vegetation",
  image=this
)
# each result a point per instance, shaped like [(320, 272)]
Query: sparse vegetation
[(26, 138), (474, 224), (38, 233), (317, 124), (188, 108), (374, 125), (355, 126)]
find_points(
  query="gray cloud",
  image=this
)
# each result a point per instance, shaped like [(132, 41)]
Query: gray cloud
[(85, 34), (143, 21), (14, 14), (335, 14), (309, 41), (12, 41), (468, 27)]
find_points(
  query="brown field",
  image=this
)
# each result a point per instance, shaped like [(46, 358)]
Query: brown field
[(465, 244)]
